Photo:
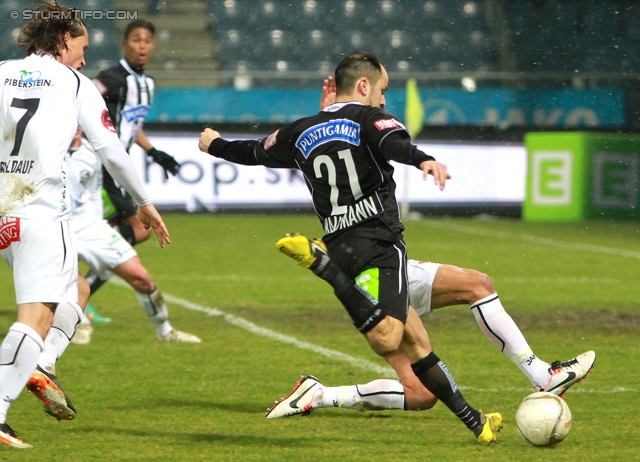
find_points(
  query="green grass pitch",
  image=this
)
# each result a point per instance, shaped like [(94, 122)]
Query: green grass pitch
[(570, 287)]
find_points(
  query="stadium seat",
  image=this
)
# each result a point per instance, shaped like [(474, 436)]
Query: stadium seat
[(387, 14), (317, 45), (236, 44), (231, 14), (310, 14), (351, 14)]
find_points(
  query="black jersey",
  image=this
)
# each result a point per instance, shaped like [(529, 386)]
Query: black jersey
[(128, 93), (344, 153)]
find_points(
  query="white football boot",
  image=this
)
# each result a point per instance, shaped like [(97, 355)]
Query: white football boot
[(565, 374), (299, 401)]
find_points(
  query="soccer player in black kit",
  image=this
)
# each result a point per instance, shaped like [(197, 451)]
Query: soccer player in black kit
[(344, 153), (128, 93)]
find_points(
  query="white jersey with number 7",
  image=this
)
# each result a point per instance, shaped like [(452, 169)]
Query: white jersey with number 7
[(42, 102)]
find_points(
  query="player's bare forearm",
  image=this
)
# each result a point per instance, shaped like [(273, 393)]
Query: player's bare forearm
[(143, 141), (150, 217), (437, 169)]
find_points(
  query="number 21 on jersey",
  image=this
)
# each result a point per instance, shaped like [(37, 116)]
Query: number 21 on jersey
[(332, 177)]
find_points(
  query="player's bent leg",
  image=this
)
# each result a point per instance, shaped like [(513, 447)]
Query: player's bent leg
[(453, 285), (437, 378), (416, 396), (135, 274), (152, 302)]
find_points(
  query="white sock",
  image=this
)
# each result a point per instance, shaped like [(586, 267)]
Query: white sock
[(85, 320), (65, 320), (156, 310), (18, 357), (374, 396), (499, 328)]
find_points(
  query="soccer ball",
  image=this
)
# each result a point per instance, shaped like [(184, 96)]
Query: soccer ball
[(543, 419)]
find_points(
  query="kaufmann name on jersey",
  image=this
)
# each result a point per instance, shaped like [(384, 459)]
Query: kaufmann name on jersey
[(363, 209)]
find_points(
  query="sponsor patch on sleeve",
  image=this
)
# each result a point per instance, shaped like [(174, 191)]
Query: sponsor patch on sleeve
[(385, 124), (271, 140), (106, 121), (9, 231)]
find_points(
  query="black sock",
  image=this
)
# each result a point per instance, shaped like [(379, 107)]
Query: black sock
[(435, 376)]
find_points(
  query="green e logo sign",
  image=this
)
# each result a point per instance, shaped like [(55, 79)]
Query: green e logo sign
[(552, 177)]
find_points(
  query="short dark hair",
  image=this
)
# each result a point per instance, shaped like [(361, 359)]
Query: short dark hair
[(139, 23), (354, 66), (46, 31)]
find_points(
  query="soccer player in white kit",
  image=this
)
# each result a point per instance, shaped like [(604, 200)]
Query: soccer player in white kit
[(104, 249), (43, 100)]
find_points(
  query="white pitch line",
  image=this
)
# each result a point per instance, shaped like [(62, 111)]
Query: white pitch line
[(532, 239), (263, 331), (386, 372)]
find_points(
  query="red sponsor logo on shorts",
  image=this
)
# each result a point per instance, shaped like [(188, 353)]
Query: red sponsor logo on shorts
[(106, 121), (9, 231), (385, 124), (271, 140)]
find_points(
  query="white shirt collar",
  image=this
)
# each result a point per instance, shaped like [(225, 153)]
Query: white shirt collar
[(337, 106)]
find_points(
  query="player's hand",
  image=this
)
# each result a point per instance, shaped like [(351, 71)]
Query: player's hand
[(206, 138), (150, 218), (328, 92), (164, 160), (437, 169)]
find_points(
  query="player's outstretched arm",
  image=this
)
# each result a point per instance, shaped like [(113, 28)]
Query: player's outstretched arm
[(150, 218), (328, 92), (437, 169)]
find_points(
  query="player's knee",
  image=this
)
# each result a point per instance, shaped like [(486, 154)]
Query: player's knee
[(482, 285), (142, 282)]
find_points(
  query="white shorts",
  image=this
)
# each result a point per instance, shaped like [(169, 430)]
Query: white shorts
[(421, 275), (103, 248), (43, 258)]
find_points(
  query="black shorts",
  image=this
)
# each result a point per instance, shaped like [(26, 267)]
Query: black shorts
[(123, 203), (379, 268)]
